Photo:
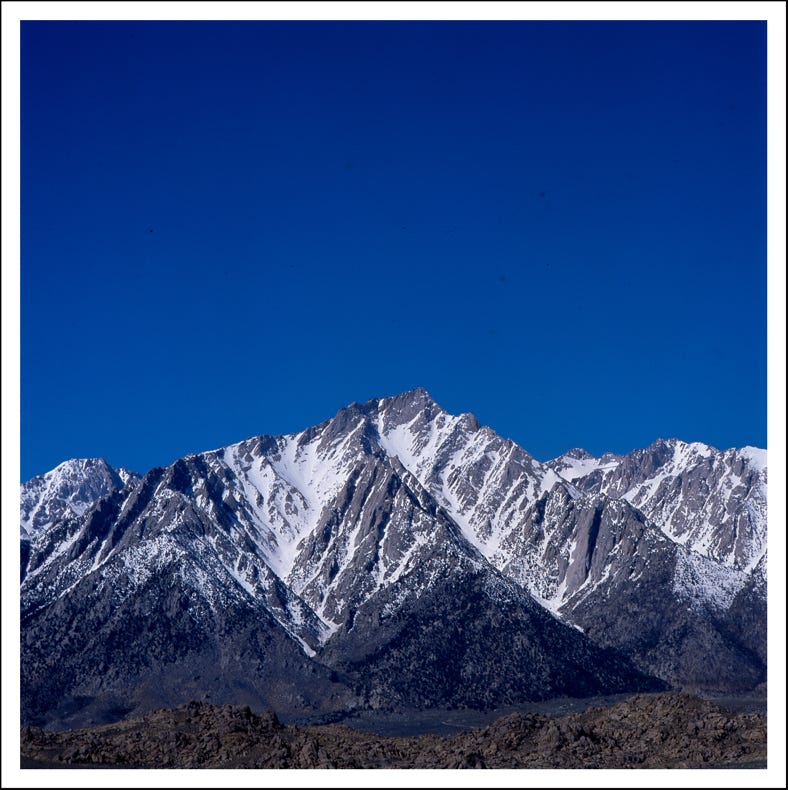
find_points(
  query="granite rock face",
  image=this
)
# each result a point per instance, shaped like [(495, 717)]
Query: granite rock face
[(712, 502), (395, 555)]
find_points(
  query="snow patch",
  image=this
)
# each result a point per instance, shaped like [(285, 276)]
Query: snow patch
[(705, 583), (755, 456), (571, 468)]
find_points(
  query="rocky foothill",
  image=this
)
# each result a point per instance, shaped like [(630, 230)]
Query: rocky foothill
[(672, 730)]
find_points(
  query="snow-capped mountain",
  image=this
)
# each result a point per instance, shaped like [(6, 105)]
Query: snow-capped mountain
[(712, 502), (674, 530), (392, 555), (68, 490), (65, 492)]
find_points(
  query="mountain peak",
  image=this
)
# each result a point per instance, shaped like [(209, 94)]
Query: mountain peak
[(404, 407), (418, 396), (81, 465), (579, 453), (68, 490)]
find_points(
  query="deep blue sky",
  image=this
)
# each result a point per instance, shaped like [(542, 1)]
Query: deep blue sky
[(237, 228)]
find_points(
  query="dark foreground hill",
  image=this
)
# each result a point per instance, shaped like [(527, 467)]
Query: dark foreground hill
[(647, 731)]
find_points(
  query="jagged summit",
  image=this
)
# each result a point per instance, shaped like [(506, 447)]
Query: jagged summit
[(77, 468), (677, 446), (577, 452), (404, 407), (417, 397), (67, 491)]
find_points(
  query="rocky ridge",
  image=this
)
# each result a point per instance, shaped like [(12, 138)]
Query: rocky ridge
[(651, 731)]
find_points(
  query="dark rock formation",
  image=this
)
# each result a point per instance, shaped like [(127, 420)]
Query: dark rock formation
[(659, 731)]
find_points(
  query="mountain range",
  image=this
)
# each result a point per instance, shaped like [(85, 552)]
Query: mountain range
[(394, 556)]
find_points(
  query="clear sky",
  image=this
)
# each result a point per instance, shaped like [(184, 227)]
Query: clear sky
[(230, 229)]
